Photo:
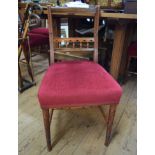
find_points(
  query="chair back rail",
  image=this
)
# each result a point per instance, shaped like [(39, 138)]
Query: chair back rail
[(89, 44), (74, 42)]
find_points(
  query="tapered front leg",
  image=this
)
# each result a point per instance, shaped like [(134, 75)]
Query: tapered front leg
[(46, 118), (111, 116)]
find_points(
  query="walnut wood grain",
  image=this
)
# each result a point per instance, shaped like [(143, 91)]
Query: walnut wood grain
[(55, 42), (112, 110), (96, 29), (46, 119), (74, 49), (75, 39), (119, 37), (50, 27)]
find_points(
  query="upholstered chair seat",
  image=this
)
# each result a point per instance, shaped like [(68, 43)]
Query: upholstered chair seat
[(78, 83)]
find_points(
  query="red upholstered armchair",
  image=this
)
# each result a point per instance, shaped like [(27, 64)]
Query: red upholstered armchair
[(77, 83)]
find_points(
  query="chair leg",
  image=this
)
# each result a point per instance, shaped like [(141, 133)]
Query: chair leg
[(46, 118), (111, 116), (103, 114), (30, 72), (20, 77), (28, 61)]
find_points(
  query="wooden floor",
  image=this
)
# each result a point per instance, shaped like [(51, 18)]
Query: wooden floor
[(76, 132)]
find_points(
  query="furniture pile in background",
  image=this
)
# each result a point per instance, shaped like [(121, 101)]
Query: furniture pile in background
[(32, 41), (115, 33), (24, 52), (77, 39)]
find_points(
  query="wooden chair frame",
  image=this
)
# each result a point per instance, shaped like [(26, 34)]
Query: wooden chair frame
[(23, 34), (27, 54), (54, 47)]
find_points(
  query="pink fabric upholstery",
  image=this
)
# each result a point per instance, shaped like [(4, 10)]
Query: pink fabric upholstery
[(40, 30), (77, 83), (38, 39)]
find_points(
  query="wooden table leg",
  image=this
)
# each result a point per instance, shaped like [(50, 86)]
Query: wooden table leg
[(119, 38)]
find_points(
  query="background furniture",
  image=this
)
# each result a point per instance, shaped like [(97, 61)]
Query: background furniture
[(24, 83), (121, 34), (23, 40), (130, 6), (79, 83), (38, 36), (132, 53), (31, 39), (39, 41), (108, 4)]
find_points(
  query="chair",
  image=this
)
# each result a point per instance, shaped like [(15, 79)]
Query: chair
[(38, 36), (25, 51), (77, 83)]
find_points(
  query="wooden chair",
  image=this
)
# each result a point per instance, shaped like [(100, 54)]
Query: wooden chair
[(38, 36), (22, 40), (77, 83)]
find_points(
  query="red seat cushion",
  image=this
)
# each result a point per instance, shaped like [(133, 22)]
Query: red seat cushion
[(38, 39), (77, 83), (40, 30)]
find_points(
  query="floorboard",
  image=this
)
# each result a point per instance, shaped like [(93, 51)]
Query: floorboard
[(79, 131)]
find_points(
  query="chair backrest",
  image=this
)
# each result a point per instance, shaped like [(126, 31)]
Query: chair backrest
[(75, 44)]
